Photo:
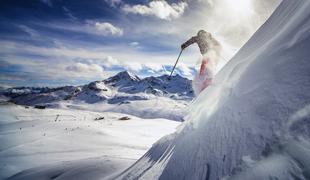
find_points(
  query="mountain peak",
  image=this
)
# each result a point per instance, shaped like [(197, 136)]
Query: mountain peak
[(123, 75)]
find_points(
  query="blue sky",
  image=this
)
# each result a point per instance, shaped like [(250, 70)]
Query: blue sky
[(70, 42)]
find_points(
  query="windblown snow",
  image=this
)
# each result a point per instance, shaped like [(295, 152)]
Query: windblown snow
[(253, 122)]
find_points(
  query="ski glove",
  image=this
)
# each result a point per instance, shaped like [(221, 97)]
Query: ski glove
[(189, 42)]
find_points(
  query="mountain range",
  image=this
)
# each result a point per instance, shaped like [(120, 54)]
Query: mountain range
[(122, 88)]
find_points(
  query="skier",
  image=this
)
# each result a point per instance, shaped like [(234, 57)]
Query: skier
[(210, 50)]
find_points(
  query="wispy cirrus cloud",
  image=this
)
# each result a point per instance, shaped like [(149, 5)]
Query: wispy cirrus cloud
[(69, 13), (114, 3), (159, 9), (28, 30)]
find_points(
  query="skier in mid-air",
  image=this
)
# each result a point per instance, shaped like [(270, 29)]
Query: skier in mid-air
[(210, 50)]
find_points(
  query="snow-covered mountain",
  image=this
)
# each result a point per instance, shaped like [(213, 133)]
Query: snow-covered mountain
[(254, 121), (124, 87)]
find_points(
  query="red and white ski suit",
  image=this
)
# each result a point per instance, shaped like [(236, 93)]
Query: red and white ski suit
[(210, 49)]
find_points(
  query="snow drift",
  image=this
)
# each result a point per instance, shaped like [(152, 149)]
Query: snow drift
[(253, 122)]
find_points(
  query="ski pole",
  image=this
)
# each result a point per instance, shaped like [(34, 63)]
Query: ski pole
[(176, 63)]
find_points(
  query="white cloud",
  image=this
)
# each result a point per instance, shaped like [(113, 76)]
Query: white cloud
[(232, 22), (132, 66), (77, 61), (185, 70), (92, 53), (74, 65), (160, 9), (106, 62), (90, 27), (85, 70), (106, 28), (109, 61), (134, 43), (5, 86), (154, 66)]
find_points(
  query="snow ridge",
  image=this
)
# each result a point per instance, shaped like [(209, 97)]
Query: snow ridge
[(253, 122)]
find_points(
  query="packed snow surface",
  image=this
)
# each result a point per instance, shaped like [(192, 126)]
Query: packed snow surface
[(253, 122), (72, 144)]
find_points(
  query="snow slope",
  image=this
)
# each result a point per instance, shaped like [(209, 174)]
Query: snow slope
[(77, 144), (156, 107), (253, 122), (150, 97)]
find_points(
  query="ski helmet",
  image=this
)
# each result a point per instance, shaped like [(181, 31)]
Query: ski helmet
[(201, 32)]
